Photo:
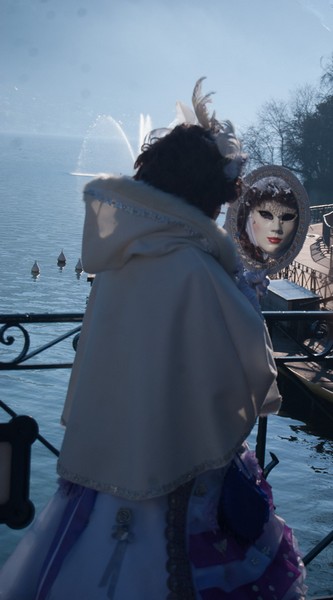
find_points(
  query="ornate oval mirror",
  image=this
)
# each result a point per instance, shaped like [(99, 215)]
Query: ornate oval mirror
[(270, 220)]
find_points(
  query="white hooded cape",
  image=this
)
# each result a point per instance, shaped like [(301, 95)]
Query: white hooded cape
[(173, 365)]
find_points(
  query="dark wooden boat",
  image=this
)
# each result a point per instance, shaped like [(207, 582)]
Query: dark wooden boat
[(307, 392)]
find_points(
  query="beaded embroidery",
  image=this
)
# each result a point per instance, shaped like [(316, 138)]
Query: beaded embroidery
[(180, 577), (150, 214)]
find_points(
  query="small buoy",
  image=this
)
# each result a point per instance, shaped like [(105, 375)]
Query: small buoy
[(35, 268), (61, 259), (78, 266)]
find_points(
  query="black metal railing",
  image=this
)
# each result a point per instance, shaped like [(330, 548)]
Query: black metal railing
[(16, 337), (311, 279), (17, 332), (317, 212), (298, 336)]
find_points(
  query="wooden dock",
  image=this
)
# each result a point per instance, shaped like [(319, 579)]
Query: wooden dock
[(314, 253), (316, 258)]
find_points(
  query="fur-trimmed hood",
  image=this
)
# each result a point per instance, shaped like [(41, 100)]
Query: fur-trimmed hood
[(127, 218)]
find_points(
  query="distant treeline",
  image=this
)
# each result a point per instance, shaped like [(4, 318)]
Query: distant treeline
[(298, 135)]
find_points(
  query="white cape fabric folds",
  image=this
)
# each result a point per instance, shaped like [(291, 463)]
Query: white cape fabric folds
[(173, 364)]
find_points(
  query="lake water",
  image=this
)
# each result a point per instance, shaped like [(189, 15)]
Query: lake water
[(42, 214)]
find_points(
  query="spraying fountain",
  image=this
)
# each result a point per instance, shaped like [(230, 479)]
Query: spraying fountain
[(107, 149)]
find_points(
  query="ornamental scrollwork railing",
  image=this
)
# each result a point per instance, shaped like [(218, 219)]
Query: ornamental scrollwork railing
[(15, 336), (310, 335), (8, 340)]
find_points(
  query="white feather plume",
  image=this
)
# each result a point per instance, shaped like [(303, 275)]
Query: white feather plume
[(226, 140), (184, 113), (225, 135), (200, 104)]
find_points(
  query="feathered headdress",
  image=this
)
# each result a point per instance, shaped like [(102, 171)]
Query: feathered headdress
[(223, 131)]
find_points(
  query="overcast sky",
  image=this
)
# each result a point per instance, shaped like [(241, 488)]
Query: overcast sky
[(65, 62)]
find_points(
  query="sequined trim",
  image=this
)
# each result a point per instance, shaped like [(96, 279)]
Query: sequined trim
[(179, 580), (150, 214), (153, 491)]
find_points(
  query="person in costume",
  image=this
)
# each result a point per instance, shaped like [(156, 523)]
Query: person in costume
[(268, 219), (162, 396)]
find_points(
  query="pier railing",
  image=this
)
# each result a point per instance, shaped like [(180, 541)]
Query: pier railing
[(311, 279), (48, 341), (26, 339), (19, 331), (317, 212)]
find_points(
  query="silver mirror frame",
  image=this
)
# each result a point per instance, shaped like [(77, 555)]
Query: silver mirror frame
[(272, 265)]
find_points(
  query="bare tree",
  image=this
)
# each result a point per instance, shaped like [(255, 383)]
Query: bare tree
[(298, 135), (265, 142), (327, 78), (277, 136), (303, 105)]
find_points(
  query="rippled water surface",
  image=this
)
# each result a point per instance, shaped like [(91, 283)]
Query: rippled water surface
[(42, 214)]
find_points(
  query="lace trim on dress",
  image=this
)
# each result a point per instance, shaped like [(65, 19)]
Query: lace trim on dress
[(153, 491)]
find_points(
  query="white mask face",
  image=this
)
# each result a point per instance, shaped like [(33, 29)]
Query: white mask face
[(273, 226), (270, 220)]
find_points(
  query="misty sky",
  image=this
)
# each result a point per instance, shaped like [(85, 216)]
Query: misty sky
[(65, 62)]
